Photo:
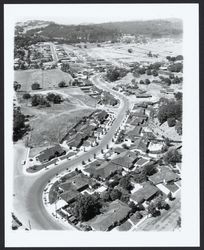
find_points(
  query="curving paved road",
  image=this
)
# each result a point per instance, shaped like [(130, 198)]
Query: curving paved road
[(28, 205)]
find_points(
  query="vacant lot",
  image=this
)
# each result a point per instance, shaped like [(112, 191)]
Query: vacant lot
[(48, 79), (50, 124), (117, 53)]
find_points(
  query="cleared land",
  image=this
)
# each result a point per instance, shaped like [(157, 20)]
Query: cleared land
[(48, 79), (49, 125)]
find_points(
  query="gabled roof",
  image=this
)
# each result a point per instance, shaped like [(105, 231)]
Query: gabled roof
[(104, 170), (146, 192), (164, 174), (76, 182), (49, 153), (116, 212), (134, 133), (70, 195), (125, 159)]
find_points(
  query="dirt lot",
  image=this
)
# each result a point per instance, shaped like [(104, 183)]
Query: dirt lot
[(47, 79)]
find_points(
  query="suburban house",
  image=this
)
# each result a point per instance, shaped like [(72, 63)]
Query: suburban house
[(134, 134), (125, 160), (50, 153), (116, 213), (146, 193), (164, 175), (141, 162), (70, 196), (105, 170), (140, 144)]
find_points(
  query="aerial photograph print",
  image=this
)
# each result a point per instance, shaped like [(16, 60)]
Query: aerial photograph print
[(97, 125), (96, 102)]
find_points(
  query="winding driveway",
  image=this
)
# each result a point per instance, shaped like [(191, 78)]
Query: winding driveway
[(28, 205)]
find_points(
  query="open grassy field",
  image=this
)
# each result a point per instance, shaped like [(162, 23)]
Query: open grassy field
[(48, 79), (118, 53), (50, 124)]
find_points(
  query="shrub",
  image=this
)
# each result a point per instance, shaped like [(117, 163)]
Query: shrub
[(154, 73), (62, 84), (147, 81), (35, 86), (26, 96), (142, 82)]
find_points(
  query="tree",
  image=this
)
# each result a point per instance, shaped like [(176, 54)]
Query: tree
[(149, 72), (170, 196), (19, 127), (35, 86), (125, 183), (171, 122), (154, 73), (62, 84), (115, 194), (178, 96), (172, 156), (50, 97), (130, 50), (133, 207), (17, 86), (152, 209), (57, 99), (147, 81), (86, 207), (142, 82), (26, 96)]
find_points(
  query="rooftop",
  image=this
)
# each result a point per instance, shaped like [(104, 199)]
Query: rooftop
[(50, 153), (145, 193), (164, 174), (116, 212)]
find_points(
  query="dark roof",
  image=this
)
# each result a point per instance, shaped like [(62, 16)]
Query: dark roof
[(70, 195), (140, 144), (50, 153), (77, 182), (146, 192), (116, 212), (164, 174), (104, 170), (125, 159), (133, 134)]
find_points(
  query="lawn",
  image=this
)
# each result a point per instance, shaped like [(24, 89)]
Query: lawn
[(48, 79)]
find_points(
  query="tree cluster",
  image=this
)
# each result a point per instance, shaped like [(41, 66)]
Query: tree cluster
[(19, 126), (170, 110), (86, 207), (114, 74), (172, 156), (40, 100), (176, 67)]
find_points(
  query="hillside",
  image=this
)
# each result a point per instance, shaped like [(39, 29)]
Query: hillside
[(152, 28), (101, 32)]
